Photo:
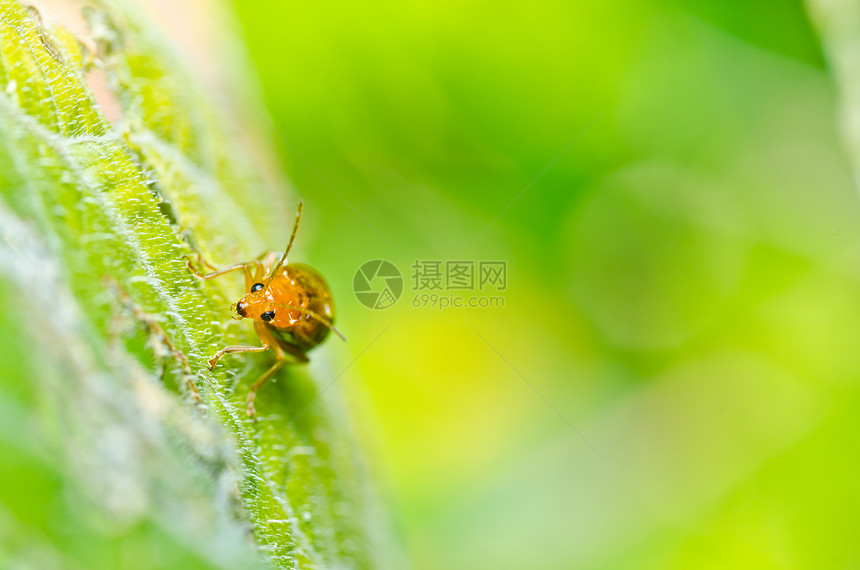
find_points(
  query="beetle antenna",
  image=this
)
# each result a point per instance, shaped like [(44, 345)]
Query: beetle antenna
[(289, 245), (314, 315)]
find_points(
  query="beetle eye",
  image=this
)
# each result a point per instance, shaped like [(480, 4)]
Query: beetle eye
[(256, 287), (268, 316)]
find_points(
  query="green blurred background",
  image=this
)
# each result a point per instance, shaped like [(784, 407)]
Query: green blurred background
[(683, 273)]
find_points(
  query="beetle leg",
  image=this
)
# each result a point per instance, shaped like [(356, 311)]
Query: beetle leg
[(266, 337), (202, 261), (252, 412), (250, 278), (300, 355), (235, 349)]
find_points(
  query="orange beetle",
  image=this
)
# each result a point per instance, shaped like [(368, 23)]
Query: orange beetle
[(292, 309)]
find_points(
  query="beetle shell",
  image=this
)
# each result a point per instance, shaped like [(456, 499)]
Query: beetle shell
[(312, 293)]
